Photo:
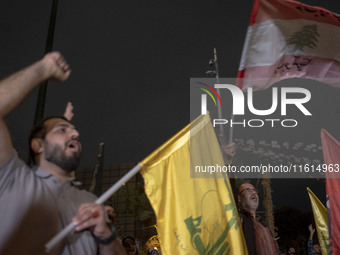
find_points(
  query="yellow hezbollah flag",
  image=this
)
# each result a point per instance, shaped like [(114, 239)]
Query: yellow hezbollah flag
[(320, 218), (194, 215)]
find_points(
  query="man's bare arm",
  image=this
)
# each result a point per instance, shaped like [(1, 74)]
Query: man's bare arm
[(17, 86)]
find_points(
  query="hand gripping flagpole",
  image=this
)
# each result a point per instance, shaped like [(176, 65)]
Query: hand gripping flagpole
[(68, 229)]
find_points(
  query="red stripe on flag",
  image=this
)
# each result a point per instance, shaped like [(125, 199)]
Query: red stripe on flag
[(254, 12), (331, 154), (289, 9), (240, 76)]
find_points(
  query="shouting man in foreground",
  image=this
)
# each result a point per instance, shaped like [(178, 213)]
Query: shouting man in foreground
[(38, 202)]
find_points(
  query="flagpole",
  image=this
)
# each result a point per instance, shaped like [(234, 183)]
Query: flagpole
[(56, 239), (96, 184), (221, 133), (40, 107), (231, 130), (219, 108)]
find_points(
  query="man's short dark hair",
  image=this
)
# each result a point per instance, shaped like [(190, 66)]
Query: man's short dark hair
[(39, 131)]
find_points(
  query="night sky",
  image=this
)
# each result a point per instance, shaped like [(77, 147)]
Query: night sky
[(131, 67)]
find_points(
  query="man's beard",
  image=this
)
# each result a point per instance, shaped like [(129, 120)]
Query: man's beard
[(55, 154), (248, 204)]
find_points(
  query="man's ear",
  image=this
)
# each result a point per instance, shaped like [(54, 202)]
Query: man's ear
[(37, 145)]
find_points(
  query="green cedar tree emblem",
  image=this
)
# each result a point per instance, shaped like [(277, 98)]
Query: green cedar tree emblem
[(196, 226), (306, 36)]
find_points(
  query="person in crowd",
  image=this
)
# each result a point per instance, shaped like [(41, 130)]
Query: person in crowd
[(258, 238), (130, 246), (283, 251), (291, 251), (152, 251), (312, 249), (55, 150)]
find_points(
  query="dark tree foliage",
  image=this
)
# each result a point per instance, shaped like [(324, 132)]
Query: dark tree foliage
[(292, 227)]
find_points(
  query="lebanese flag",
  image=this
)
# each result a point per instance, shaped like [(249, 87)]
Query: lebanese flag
[(331, 155), (287, 39)]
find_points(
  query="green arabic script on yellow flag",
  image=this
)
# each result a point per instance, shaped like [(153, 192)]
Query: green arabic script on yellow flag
[(194, 215)]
